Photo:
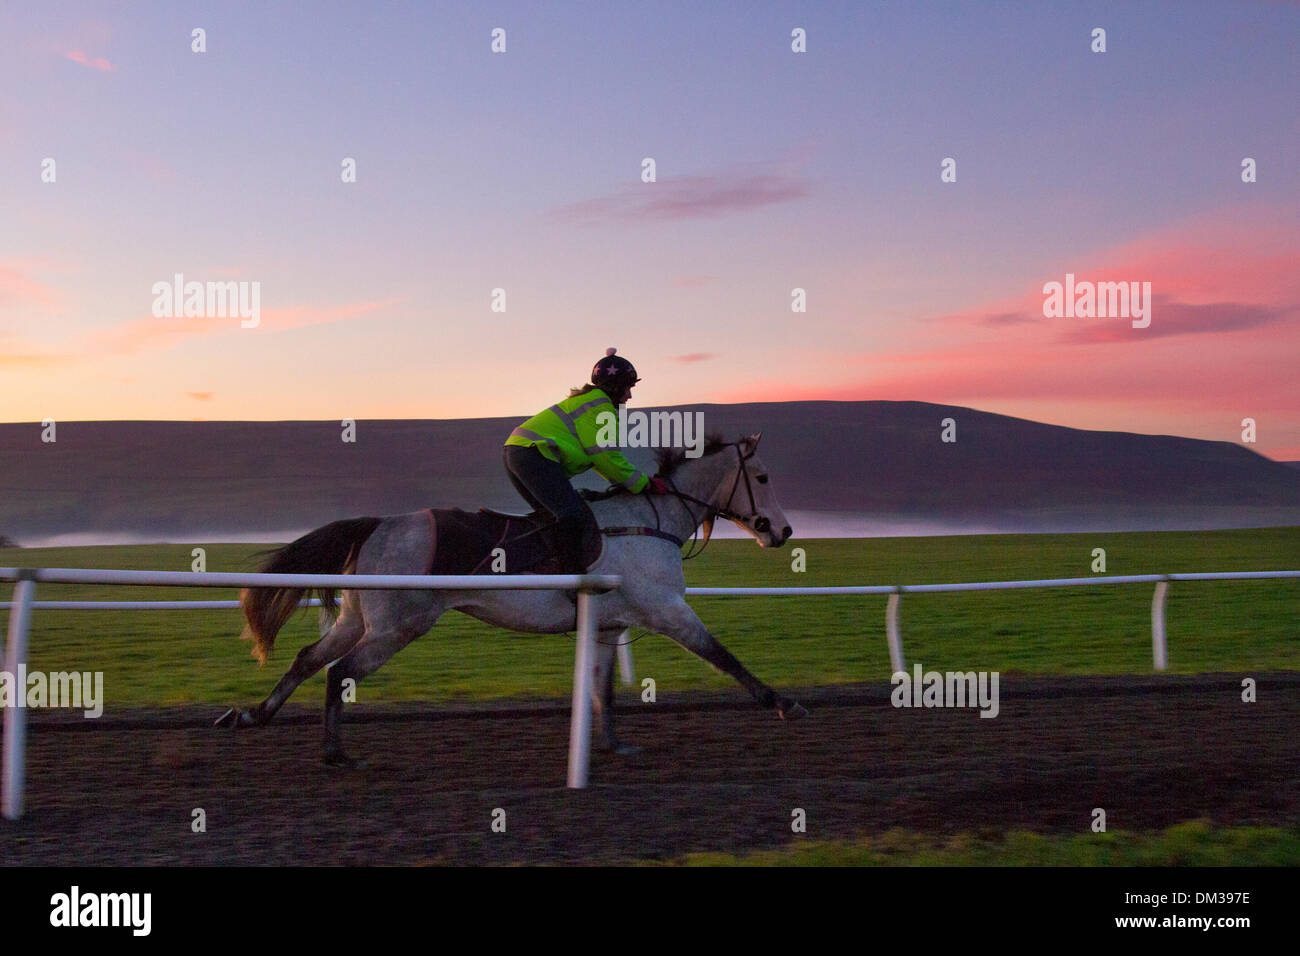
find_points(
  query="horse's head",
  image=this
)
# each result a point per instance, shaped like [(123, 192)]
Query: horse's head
[(747, 499)]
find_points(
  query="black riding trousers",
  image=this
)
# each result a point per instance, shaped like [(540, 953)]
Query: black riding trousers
[(544, 485)]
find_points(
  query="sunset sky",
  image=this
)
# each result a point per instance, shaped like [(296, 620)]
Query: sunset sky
[(775, 170)]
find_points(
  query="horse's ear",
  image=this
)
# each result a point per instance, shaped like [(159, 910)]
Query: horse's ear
[(752, 441)]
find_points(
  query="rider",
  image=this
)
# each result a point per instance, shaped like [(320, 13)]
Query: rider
[(543, 453)]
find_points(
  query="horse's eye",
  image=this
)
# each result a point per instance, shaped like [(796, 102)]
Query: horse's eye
[(761, 479)]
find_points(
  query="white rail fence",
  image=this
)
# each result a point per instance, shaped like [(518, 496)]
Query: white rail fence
[(587, 585)]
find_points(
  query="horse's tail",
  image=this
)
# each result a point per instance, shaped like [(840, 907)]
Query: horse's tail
[(329, 550)]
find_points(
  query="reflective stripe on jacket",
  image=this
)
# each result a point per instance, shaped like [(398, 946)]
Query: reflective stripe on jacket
[(566, 433)]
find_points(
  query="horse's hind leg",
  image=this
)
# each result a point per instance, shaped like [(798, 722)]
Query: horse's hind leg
[(369, 654), (337, 641)]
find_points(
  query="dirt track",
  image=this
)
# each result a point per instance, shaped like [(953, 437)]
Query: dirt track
[(715, 774)]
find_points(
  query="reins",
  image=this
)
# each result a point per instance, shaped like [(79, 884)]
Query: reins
[(711, 512)]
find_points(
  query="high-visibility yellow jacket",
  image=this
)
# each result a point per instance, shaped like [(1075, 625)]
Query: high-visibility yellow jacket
[(566, 433)]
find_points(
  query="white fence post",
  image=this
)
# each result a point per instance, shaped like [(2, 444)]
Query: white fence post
[(14, 748), (580, 719), (1159, 649), (894, 632), (626, 669)]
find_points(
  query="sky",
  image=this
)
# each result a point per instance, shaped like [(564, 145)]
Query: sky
[(775, 170)]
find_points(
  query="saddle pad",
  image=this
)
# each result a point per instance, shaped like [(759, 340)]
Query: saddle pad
[(464, 543)]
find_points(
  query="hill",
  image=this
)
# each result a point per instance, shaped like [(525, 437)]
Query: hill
[(883, 460)]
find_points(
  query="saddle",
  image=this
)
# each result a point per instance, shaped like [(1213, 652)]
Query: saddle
[(467, 542)]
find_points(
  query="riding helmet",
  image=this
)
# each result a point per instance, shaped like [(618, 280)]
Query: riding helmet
[(614, 372)]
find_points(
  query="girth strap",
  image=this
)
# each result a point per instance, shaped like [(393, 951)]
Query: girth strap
[(650, 532)]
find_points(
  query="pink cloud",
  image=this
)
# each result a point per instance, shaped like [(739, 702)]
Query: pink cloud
[(695, 357), (19, 289), (685, 197), (151, 333), (1179, 318), (201, 396), (1217, 273), (1224, 340), (997, 319), (19, 361), (98, 63), (694, 281), (1174, 375), (150, 164)]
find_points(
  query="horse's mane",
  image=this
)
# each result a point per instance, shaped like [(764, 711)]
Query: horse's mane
[(670, 459)]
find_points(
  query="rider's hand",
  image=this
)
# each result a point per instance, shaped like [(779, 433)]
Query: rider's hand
[(657, 486)]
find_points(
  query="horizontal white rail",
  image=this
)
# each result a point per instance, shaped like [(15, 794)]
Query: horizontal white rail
[(353, 582), (990, 585), (1231, 575), (790, 592), (523, 582), (1044, 583), (139, 605)]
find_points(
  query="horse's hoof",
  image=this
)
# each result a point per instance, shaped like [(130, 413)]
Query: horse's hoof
[(793, 712), (236, 719), (338, 758), (627, 750)]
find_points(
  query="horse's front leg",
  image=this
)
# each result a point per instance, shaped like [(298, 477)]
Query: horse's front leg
[(678, 621)]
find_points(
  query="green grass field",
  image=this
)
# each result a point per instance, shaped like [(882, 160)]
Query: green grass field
[(170, 657), (1195, 843)]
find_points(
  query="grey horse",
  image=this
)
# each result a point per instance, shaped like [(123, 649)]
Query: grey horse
[(727, 480)]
